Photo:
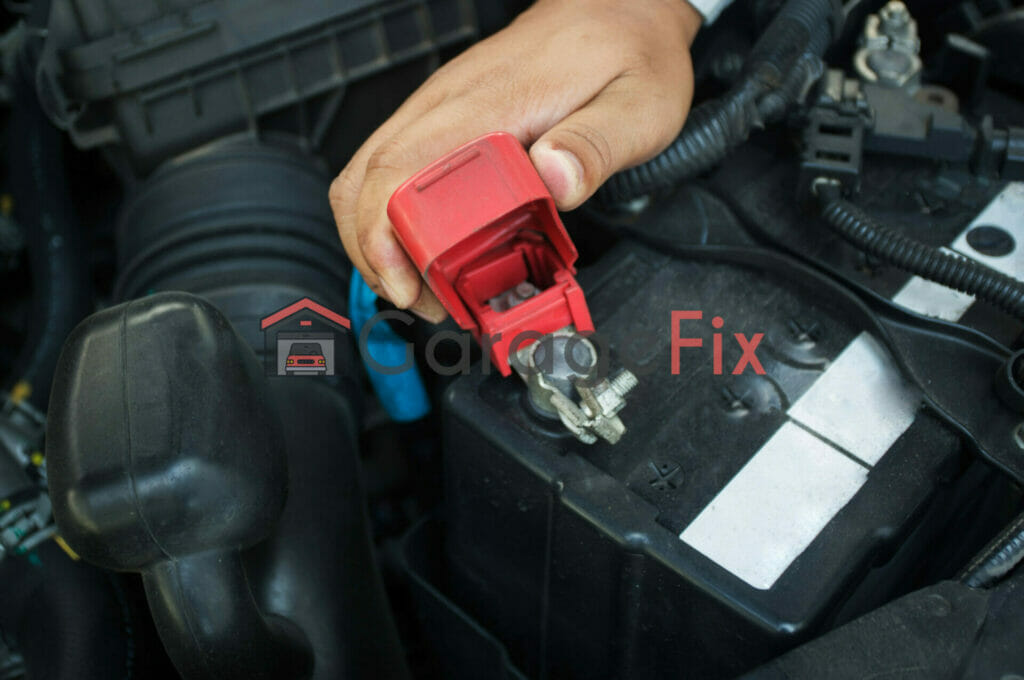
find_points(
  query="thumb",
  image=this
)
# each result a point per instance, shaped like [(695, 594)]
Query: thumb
[(618, 128)]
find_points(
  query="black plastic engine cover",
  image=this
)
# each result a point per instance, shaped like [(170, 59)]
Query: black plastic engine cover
[(571, 554), (152, 79)]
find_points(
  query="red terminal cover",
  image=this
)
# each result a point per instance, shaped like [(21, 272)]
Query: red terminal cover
[(476, 223)]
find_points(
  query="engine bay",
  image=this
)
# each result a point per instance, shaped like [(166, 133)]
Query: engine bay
[(781, 437)]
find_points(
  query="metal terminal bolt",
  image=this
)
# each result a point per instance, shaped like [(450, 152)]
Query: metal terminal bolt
[(889, 49), (563, 365), (624, 382), (517, 294)]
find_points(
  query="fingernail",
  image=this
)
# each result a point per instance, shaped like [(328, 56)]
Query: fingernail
[(562, 172), (392, 294)]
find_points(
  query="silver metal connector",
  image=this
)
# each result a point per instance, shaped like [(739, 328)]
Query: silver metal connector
[(563, 365)]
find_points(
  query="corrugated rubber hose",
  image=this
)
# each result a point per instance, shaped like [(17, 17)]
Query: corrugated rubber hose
[(783, 63), (947, 269)]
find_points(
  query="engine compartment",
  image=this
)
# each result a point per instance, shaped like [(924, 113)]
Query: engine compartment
[(222, 456)]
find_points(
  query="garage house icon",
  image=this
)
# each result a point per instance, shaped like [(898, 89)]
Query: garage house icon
[(301, 337)]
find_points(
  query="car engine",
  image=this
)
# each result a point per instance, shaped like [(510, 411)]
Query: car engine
[(781, 436)]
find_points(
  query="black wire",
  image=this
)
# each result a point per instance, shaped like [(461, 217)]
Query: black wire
[(998, 558)]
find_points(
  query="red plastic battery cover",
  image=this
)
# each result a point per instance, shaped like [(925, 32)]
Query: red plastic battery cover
[(477, 223)]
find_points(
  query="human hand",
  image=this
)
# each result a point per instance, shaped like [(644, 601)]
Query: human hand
[(588, 86)]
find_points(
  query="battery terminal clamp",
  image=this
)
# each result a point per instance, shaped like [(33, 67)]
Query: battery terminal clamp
[(482, 229), (565, 362)]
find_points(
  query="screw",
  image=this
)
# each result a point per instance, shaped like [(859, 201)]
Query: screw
[(624, 382)]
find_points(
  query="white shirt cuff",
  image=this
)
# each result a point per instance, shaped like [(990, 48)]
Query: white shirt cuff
[(709, 9)]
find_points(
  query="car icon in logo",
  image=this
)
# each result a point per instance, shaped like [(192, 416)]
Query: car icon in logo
[(305, 358), (300, 339)]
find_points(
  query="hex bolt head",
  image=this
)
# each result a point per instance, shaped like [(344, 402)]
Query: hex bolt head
[(895, 16)]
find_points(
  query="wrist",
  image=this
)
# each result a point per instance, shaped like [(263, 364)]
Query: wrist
[(693, 18), (685, 14)]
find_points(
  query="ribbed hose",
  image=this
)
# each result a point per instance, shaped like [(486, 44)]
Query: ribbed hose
[(783, 61), (712, 130), (952, 271), (998, 558)]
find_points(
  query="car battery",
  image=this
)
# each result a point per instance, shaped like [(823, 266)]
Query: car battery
[(777, 476)]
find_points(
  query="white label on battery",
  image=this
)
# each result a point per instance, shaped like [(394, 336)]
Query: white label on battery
[(775, 506), (1005, 212), (795, 484), (860, 403), (933, 299)]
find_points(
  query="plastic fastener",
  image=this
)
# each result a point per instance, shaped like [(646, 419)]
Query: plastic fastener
[(478, 223)]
